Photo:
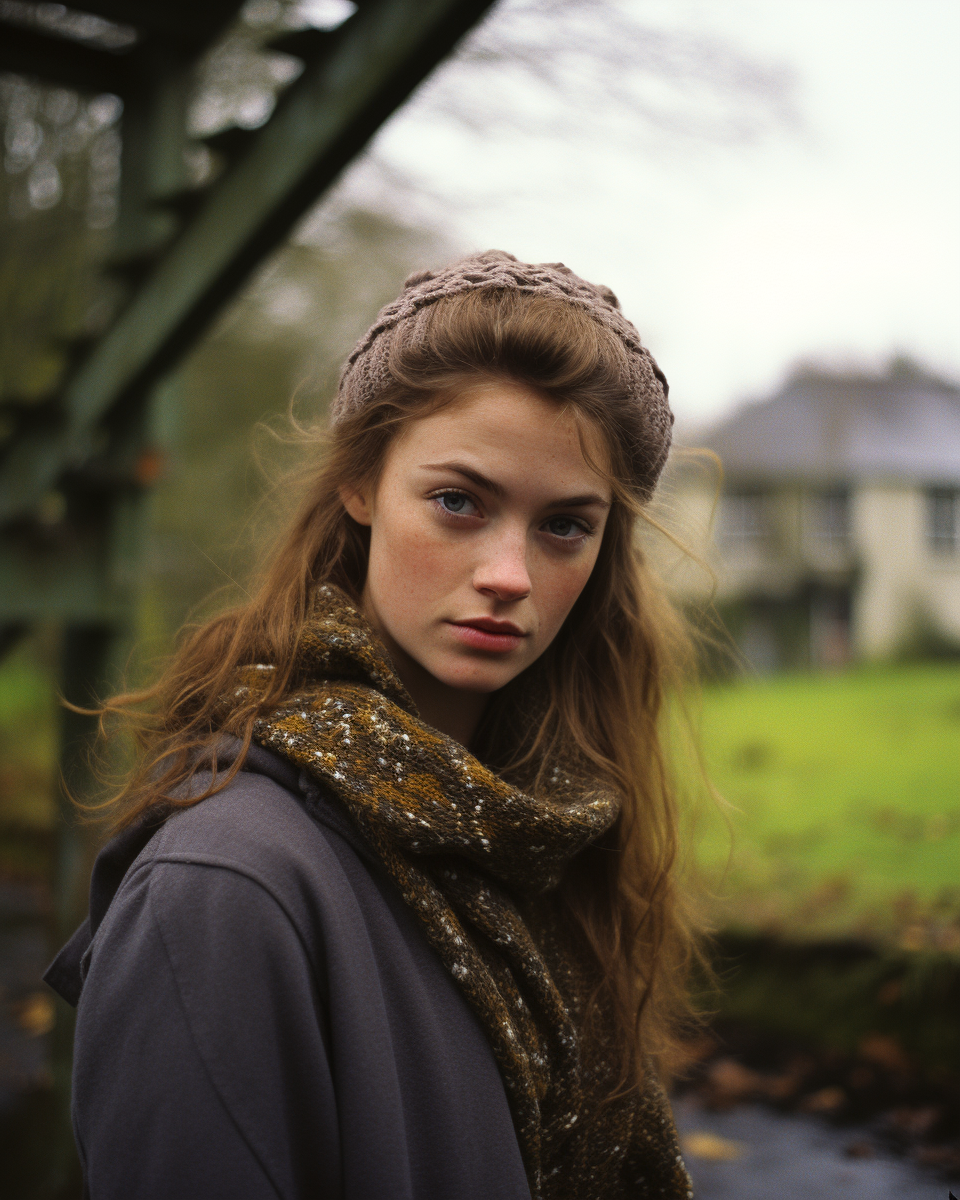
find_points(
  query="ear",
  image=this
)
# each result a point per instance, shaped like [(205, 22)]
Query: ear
[(357, 505)]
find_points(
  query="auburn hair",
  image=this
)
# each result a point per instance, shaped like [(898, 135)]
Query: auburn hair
[(603, 682)]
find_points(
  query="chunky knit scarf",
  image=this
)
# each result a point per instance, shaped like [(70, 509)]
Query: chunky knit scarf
[(475, 858)]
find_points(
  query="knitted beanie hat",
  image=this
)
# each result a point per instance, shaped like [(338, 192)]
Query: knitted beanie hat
[(366, 372)]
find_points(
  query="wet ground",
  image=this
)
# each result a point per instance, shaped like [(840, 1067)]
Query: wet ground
[(764, 1116), (752, 1152)]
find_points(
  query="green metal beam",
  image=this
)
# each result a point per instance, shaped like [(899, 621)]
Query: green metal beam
[(88, 673), (376, 59), (85, 568), (181, 23), (56, 60), (153, 135)]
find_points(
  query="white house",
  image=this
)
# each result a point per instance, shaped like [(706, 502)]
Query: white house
[(837, 526)]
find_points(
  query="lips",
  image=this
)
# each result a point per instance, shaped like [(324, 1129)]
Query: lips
[(485, 633)]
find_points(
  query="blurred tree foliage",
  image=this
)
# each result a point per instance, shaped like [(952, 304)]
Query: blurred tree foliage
[(58, 196)]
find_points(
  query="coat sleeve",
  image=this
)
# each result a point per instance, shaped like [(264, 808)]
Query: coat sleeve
[(200, 1066)]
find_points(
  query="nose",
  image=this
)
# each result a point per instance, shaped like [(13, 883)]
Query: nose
[(503, 573)]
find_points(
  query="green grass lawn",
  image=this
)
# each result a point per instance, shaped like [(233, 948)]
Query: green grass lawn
[(846, 797)]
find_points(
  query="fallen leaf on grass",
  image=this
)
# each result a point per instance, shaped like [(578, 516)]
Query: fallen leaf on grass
[(944, 1158), (707, 1145), (883, 1050), (731, 1082), (913, 1122), (828, 1099), (34, 1015), (784, 1087)]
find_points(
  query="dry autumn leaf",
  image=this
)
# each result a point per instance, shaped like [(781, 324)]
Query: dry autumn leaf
[(34, 1014), (707, 1145)]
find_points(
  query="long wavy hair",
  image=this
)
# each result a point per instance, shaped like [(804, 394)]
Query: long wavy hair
[(602, 684)]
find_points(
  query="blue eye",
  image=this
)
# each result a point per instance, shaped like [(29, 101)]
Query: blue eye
[(565, 527), (458, 504)]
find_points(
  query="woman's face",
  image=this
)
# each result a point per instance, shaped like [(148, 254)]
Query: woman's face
[(484, 528)]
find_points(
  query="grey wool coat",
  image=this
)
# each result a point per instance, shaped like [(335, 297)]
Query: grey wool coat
[(260, 1017)]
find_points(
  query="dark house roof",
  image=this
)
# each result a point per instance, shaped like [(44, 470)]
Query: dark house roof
[(845, 428)]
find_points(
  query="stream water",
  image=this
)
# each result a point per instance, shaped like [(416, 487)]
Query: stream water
[(753, 1153)]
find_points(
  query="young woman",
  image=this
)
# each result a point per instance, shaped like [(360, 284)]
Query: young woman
[(389, 912)]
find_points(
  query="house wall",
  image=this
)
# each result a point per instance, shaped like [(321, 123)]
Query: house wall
[(905, 585), (942, 593), (888, 534), (785, 551), (897, 584)]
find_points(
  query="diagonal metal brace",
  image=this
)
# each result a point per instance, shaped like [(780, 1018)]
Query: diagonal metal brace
[(378, 57)]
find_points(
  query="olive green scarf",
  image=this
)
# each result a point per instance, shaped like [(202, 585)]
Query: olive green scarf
[(476, 858)]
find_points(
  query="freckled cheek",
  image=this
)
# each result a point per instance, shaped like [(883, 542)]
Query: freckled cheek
[(408, 559), (559, 590)]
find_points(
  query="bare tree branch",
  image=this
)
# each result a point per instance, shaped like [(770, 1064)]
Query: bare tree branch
[(594, 67)]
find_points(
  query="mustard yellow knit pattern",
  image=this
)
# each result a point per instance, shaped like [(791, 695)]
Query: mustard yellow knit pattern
[(475, 859)]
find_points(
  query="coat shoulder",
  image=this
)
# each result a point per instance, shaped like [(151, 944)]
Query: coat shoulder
[(257, 827)]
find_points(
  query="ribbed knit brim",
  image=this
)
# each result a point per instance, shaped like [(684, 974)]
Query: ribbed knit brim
[(366, 372)]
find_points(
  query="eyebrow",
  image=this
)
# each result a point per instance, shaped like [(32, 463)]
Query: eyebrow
[(498, 490)]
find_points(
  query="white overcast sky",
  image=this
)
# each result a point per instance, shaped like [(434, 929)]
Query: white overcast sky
[(836, 240)]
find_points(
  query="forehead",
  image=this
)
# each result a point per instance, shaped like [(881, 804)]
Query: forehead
[(514, 427)]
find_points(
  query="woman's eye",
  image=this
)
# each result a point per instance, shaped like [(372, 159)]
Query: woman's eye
[(456, 502), (565, 527)]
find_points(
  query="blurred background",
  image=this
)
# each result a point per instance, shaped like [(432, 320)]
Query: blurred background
[(202, 208)]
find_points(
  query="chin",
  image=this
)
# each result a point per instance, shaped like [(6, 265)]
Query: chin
[(474, 676)]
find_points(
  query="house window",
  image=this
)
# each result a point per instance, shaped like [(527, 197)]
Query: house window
[(744, 517), (831, 515), (943, 520)]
